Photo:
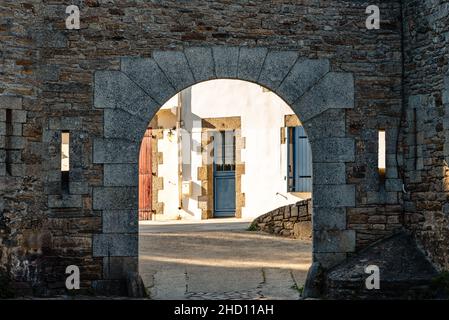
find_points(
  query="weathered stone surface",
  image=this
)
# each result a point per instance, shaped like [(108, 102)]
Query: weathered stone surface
[(2, 128), (404, 272), (303, 230), (329, 173), (393, 185), (334, 196), (120, 221), (119, 267), (445, 94), (125, 175), (115, 198), (226, 61), (77, 187), (312, 287), (114, 89), (283, 221), (329, 218), (2, 156), (250, 63), (50, 38), (48, 73), (201, 62), (66, 123), (19, 116), (119, 124), (115, 151), (334, 241), (143, 108), (334, 90), (135, 286), (276, 66), (301, 78), (10, 102), (425, 135), (65, 201), (174, 65), (149, 76), (16, 142), (329, 259), (115, 245), (333, 150)]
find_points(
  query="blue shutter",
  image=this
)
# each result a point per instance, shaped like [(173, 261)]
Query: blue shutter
[(303, 161)]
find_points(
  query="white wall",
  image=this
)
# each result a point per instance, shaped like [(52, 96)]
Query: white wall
[(262, 117), (191, 155), (169, 171)]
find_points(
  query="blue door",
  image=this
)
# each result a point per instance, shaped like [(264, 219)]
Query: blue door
[(224, 173)]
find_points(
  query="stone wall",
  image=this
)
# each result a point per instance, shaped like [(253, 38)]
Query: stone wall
[(51, 71), (294, 220), (24, 230), (426, 125)]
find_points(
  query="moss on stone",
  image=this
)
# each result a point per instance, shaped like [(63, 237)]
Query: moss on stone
[(253, 227)]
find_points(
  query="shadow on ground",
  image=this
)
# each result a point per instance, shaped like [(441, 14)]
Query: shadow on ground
[(220, 261)]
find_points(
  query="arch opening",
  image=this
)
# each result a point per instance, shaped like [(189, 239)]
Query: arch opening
[(224, 166), (131, 96)]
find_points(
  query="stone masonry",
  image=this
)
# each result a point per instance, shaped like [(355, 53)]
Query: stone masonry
[(426, 126), (308, 85), (294, 220), (104, 83)]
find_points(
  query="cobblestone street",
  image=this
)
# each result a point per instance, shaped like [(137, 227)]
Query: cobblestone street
[(219, 259)]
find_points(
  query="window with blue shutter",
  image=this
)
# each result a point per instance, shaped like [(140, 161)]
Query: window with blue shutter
[(299, 160)]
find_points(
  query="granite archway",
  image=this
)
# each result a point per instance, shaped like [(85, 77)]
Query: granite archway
[(131, 96)]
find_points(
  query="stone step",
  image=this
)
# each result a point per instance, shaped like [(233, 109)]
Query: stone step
[(404, 272)]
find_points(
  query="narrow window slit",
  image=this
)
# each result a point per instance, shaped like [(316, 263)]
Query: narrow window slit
[(65, 160), (415, 137), (9, 133), (382, 155)]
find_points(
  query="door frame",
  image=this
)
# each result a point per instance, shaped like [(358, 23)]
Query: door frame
[(205, 172), (223, 175), (297, 140)]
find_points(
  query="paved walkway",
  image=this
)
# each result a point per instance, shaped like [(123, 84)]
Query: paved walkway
[(219, 259)]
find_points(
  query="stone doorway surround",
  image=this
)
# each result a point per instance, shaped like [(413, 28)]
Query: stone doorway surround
[(131, 96), (206, 171)]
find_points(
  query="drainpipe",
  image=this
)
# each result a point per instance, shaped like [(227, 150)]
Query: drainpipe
[(179, 141)]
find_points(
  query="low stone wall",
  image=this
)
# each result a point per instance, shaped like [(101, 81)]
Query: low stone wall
[(294, 220)]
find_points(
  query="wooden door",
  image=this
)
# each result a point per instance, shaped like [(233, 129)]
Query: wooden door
[(299, 161), (303, 161), (145, 178), (224, 173)]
